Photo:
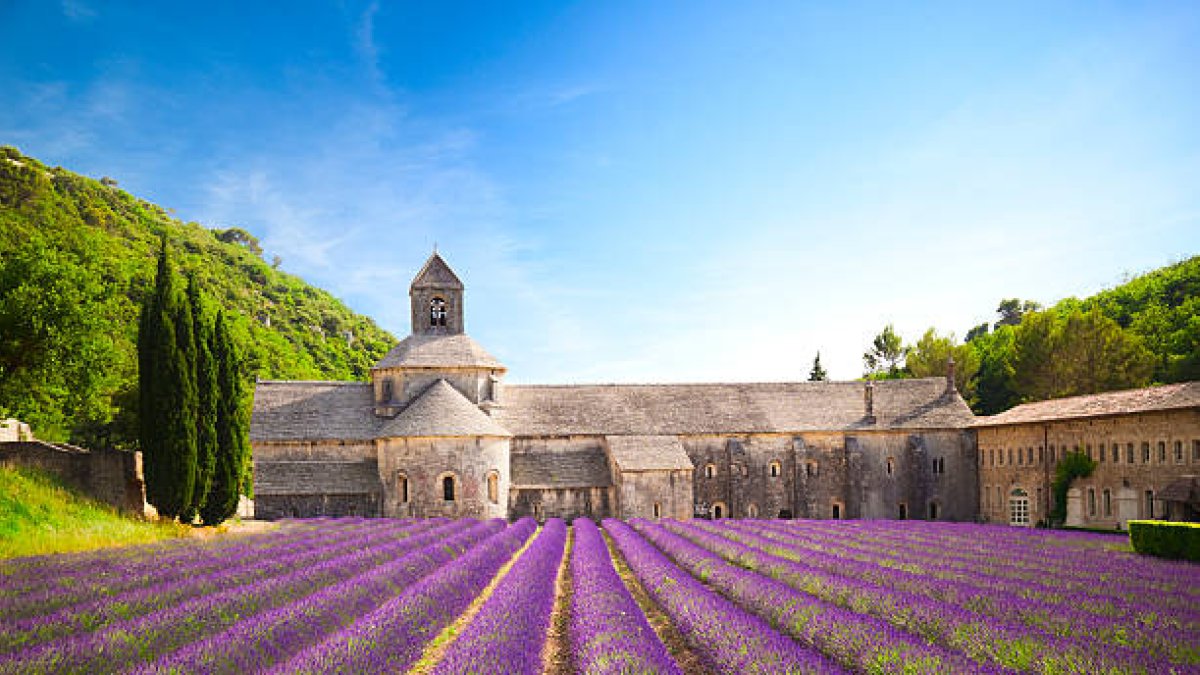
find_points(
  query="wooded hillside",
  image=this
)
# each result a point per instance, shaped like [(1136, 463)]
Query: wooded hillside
[(77, 257)]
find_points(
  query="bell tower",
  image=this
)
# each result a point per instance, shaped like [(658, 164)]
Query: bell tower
[(436, 295)]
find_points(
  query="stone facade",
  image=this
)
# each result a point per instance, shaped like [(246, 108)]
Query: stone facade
[(1146, 443), (436, 433)]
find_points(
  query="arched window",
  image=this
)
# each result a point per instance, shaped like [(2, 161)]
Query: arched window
[(402, 488), (776, 469), (837, 511), (710, 470), (437, 313), (448, 492), (493, 487)]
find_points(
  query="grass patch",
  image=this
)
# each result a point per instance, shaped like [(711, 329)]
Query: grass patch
[(38, 516)]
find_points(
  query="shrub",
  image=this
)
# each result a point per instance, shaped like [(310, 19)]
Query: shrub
[(1166, 539)]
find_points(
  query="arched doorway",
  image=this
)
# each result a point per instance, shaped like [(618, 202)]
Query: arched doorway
[(718, 511)]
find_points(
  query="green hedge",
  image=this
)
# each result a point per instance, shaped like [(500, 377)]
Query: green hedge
[(1166, 539)]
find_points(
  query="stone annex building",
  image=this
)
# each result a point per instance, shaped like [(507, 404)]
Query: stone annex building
[(436, 432)]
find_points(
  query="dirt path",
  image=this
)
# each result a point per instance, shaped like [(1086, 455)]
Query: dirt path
[(557, 653)]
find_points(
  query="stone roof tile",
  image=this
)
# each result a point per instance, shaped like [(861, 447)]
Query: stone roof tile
[(439, 351), (560, 469), (441, 410), (648, 453), (1166, 397), (345, 478), (287, 411)]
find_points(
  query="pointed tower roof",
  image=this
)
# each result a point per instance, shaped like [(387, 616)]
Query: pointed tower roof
[(436, 274), (441, 410)]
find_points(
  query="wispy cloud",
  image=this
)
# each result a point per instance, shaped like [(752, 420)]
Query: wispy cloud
[(78, 10)]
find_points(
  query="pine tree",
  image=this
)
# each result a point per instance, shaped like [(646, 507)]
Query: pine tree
[(206, 400), (817, 374), (233, 447), (167, 394)]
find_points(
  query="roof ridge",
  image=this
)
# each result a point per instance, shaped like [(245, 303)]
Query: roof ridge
[(938, 379), (322, 382)]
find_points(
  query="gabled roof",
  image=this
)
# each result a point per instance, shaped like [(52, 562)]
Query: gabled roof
[(648, 453), (788, 407), (438, 351), (436, 274), (441, 411), (1150, 399), (312, 411)]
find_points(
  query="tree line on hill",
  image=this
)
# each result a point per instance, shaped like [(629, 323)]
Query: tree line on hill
[(1142, 332), (77, 261)]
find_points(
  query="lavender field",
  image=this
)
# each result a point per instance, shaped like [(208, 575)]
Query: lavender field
[(441, 596)]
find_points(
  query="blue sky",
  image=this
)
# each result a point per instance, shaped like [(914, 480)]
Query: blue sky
[(645, 191)]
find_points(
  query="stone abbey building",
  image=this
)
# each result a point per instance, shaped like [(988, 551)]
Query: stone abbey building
[(436, 432)]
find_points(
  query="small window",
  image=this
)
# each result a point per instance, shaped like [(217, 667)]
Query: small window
[(1162, 452), (891, 465), (1196, 451), (402, 488), (718, 511), (1041, 454), (1107, 502), (903, 511), (775, 469), (1103, 454), (657, 510), (1116, 453), (992, 456), (1020, 456), (710, 470), (837, 511), (1053, 452), (493, 487), (448, 488), (1092, 502), (1129, 453), (933, 510), (1179, 452), (1145, 452), (811, 469), (1089, 452), (387, 390), (1010, 457), (437, 313), (1029, 455)]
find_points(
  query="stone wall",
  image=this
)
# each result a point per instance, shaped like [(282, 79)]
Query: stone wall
[(887, 474), (422, 464), (113, 477), (1023, 456), (567, 503), (639, 492), (273, 507)]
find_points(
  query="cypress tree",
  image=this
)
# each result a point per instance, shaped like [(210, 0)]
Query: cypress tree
[(233, 446), (206, 400), (167, 394)]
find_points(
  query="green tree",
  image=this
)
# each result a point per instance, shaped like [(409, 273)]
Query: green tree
[(207, 395), (994, 386), (1011, 310), (817, 374), (1093, 355), (931, 355), (1073, 465), (233, 443), (885, 359), (167, 394)]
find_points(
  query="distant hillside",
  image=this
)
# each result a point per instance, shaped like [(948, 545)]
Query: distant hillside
[(77, 256), (39, 516)]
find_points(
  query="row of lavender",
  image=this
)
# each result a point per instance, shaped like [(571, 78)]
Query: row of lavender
[(748, 596)]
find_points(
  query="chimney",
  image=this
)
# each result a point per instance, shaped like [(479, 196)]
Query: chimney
[(950, 388), (869, 402)]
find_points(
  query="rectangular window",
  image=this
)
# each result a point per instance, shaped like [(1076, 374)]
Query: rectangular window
[(1089, 451), (1041, 454), (1129, 453), (1092, 502), (1196, 451), (992, 456), (1116, 452), (1020, 456), (1010, 459), (1107, 502), (1145, 452), (1162, 452), (1100, 449), (1149, 504), (1029, 456), (1179, 452)]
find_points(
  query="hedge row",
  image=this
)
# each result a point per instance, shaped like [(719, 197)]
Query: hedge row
[(1166, 539)]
